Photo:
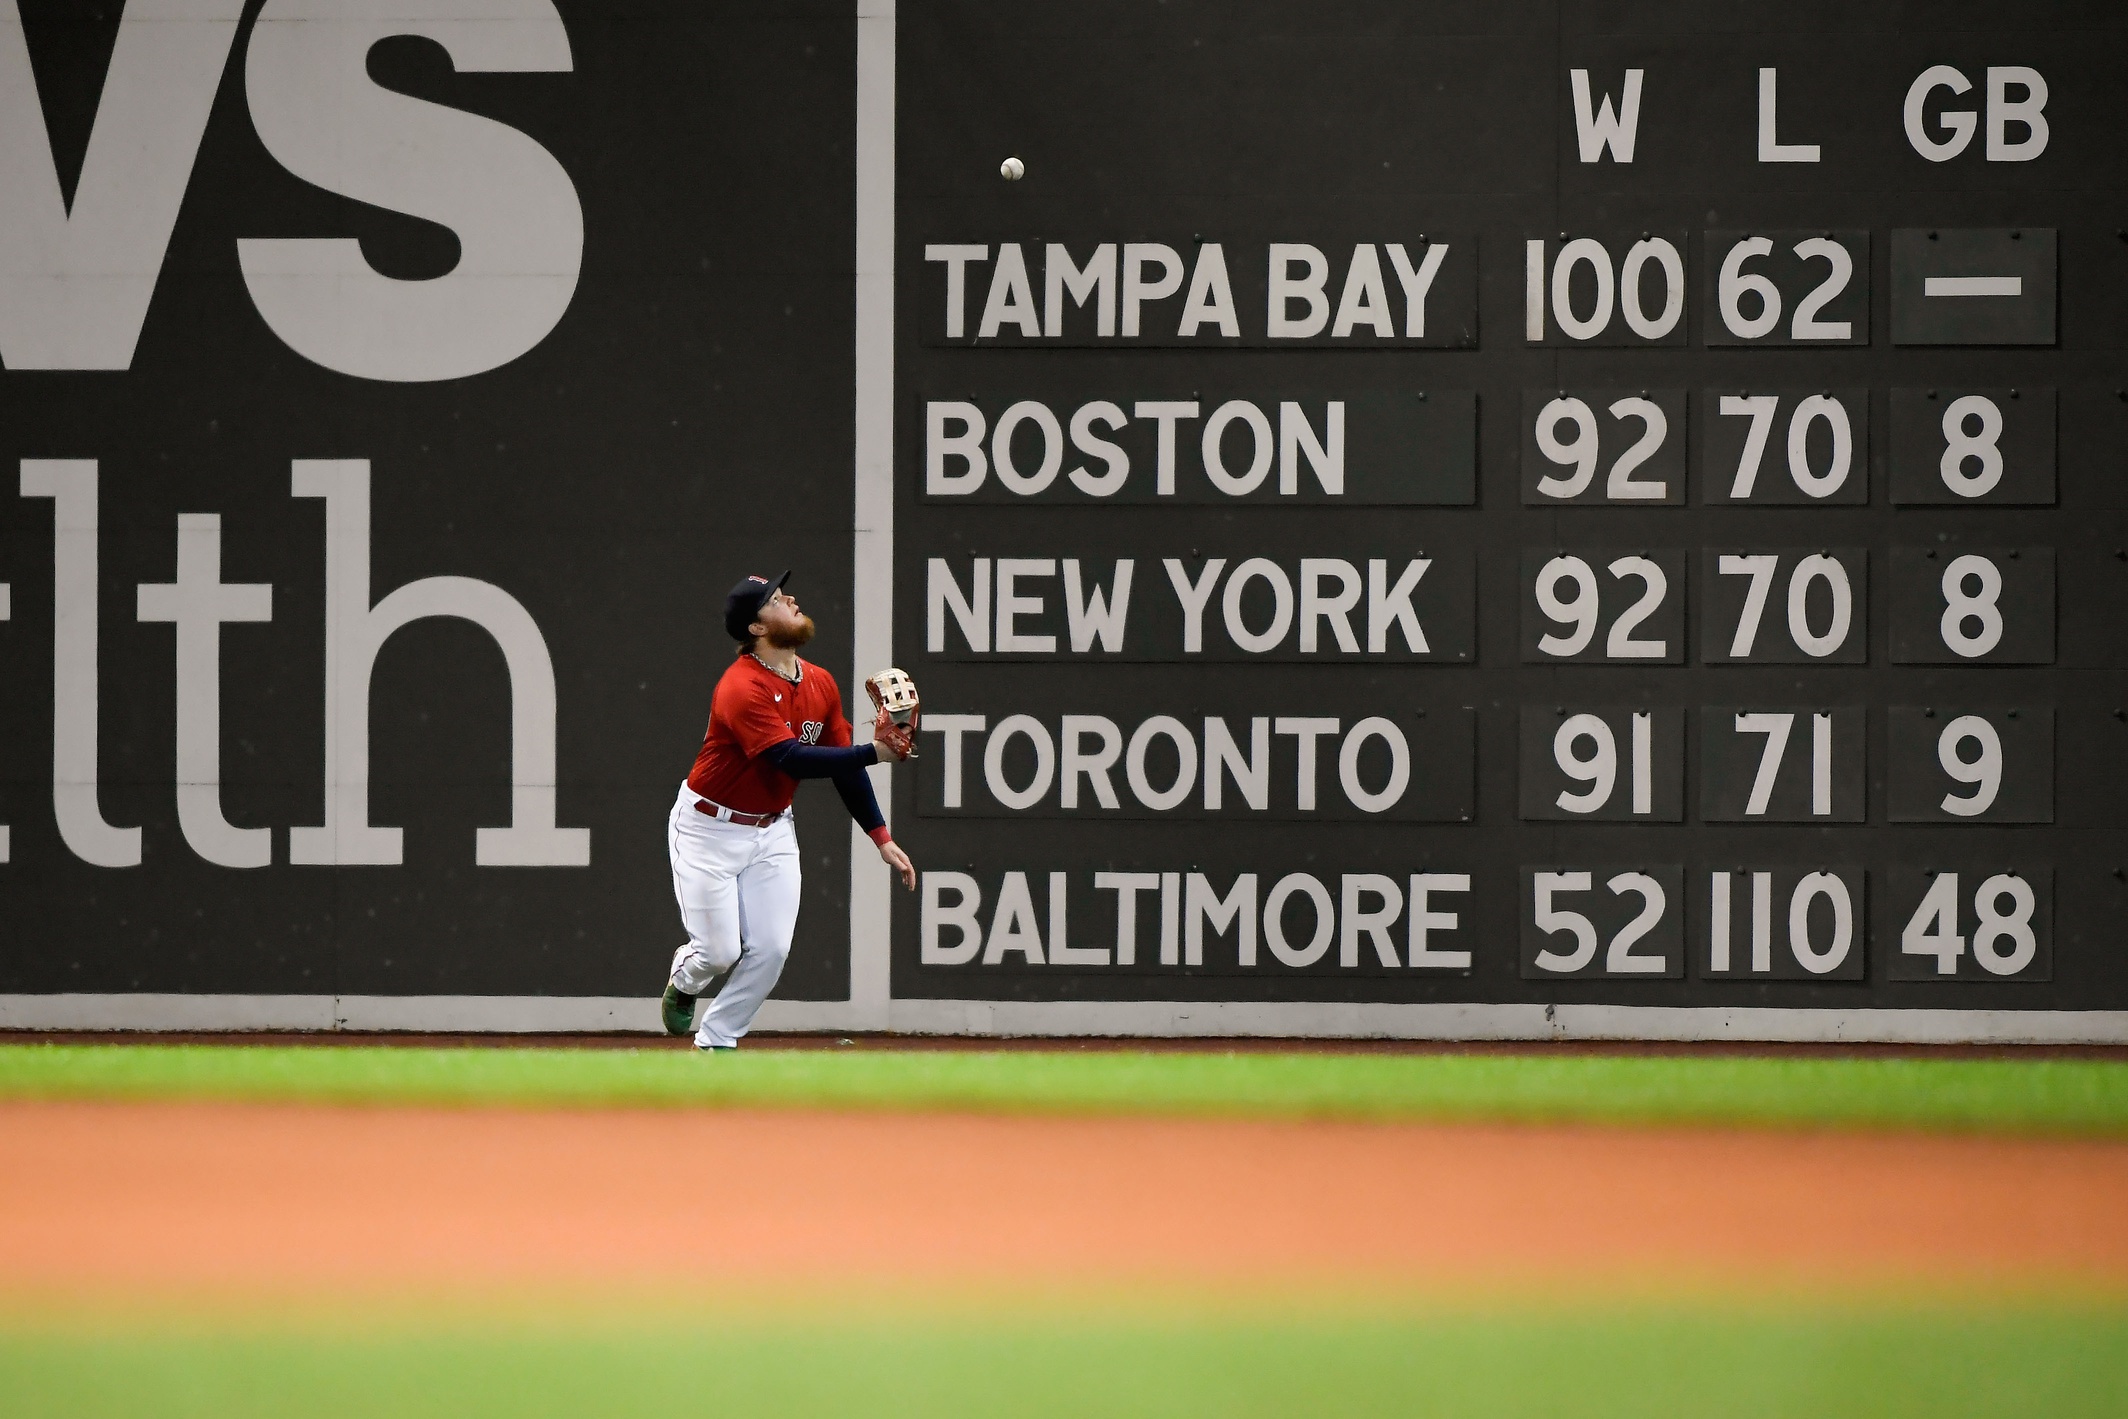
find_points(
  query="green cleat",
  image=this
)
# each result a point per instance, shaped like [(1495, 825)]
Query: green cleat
[(678, 1010)]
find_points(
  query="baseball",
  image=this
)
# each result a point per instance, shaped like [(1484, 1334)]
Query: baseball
[(1012, 169)]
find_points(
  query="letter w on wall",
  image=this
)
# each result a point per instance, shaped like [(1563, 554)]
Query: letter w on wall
[(1599, 126), (75, 282)]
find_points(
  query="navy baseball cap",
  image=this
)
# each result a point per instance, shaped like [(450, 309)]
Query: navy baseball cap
[(743, 605)]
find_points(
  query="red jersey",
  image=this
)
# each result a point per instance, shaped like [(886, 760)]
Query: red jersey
[(755, 709)]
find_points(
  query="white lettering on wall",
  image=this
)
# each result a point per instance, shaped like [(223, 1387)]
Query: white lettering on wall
[(75, 283), (1305, 730), (1140, 286), (2026, 112), (1223, 759), (1013, 929), (1424, 921), (954, 728), (1416, 282), (1601, 127), (1090, 612), (939, 445), (970, 609), (355, 631), (1297, 441), (1357, 911), (1074, 766), (1011, 298), (956, 259), (1128, 291), (1028, 446), (1211, 296), (1957, 125), (1326, 592), (1202, 907), (71, 485), (1771, 148), (198, 603), (1306, 287), (1126, 886), (960, 915), (1165, 413), (1096, 280), (1093, 765), (1192, 594), (1011, 605), (515, 212)]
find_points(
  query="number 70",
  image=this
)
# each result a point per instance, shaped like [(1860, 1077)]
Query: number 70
[(1808, 572), (1823, 437)]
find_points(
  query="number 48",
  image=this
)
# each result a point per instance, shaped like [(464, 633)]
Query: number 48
[(2004, 942)]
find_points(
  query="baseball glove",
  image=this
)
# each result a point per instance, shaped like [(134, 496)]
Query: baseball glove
[(894, 696)]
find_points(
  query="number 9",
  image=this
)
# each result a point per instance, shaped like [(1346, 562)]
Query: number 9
[(1582, 608), (1599, 769), (1581, 453), (1984, 772)]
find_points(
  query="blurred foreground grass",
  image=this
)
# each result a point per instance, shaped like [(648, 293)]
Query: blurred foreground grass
[(1742, 1363), (2042, 1096)]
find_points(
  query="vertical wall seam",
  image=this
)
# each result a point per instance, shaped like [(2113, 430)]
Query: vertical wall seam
[(872, 541)]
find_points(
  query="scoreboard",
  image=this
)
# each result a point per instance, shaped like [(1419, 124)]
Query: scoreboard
[(1435, 518), (1410, 514)]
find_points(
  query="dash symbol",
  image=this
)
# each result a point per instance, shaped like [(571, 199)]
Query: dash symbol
[(1973, 286)]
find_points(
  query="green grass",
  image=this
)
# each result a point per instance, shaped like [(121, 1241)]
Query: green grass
[(2059, 1097), (2058, 1362)]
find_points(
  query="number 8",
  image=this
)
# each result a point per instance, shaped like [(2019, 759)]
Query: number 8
[(1958, 446), (1993, 927), (1958, 607)]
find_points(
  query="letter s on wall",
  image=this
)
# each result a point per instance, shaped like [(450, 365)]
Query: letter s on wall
[(519, 223)]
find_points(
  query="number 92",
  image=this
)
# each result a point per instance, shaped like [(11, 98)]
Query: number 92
[(1612, 605), (1636, 441)]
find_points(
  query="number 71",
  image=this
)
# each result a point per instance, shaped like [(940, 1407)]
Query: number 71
[(1776, 728)]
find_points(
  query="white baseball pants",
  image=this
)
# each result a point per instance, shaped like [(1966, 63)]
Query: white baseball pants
[(738, 893)]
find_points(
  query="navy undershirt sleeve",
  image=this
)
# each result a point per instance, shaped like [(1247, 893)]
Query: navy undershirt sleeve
[(856, 790), (846, 766), (801, 760)]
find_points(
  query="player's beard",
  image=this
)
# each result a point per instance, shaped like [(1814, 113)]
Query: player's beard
[(791, 637)]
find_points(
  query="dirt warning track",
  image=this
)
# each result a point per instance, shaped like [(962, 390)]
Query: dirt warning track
[(143, 1199)]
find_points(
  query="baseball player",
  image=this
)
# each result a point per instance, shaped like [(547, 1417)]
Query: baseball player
[(775, 719)]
